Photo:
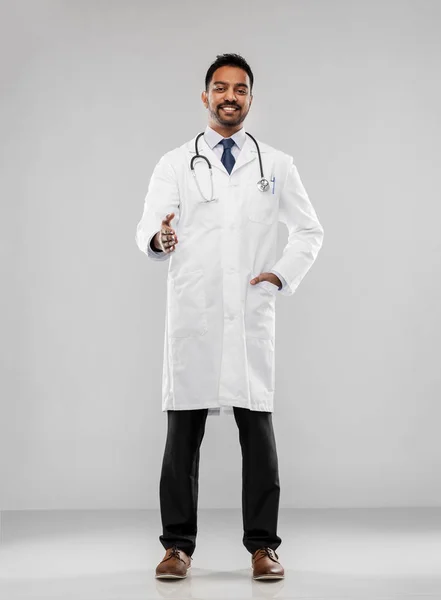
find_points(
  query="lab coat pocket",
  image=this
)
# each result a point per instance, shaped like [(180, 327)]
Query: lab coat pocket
[(260, 314), (187, 304), (262, 206)]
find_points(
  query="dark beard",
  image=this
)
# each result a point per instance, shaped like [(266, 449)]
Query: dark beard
[(228, 122)]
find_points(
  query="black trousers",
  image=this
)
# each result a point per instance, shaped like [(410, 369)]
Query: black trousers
[(178, 489)]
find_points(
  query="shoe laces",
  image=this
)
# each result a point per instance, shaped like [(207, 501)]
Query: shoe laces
[(266, 551), (174, 553)]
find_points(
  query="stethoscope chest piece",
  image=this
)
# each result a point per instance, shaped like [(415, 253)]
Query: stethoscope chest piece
[(263, 184)]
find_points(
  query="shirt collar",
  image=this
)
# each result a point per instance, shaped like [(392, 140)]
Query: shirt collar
[(213, 138)]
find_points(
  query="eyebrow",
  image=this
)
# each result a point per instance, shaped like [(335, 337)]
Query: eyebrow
[(225, 83)]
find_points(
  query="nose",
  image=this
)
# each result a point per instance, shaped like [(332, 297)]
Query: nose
[(230, 95)]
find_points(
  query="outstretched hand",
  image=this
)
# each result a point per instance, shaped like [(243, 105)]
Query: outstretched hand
[(271, 277), (166, 239)]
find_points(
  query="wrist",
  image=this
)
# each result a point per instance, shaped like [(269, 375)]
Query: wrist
[(155, 242)]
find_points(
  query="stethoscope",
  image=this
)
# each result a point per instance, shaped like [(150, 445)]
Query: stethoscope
[(262, 184)]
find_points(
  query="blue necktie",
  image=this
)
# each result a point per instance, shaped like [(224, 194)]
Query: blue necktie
[(228, 159)]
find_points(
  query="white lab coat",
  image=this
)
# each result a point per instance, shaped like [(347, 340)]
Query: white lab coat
[(219, 341)]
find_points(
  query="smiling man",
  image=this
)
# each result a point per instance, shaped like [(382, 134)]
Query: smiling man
[(212, 211)]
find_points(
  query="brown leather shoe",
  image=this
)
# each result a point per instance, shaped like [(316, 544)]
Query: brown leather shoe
[(265, 564), (174, 565)]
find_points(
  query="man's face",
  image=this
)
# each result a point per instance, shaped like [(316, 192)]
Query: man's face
[(229, 98)]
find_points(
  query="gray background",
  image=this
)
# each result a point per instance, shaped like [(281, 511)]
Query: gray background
[(93, 93)]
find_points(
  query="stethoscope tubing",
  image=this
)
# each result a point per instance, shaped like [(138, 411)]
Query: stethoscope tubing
[(262, 184), (197, 155)]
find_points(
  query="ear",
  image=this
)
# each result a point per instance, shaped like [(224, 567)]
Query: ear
[(204, 98)]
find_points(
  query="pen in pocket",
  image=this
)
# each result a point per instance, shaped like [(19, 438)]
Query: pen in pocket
[(273, 181)]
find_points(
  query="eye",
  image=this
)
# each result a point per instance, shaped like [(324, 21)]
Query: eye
[(242, 91)]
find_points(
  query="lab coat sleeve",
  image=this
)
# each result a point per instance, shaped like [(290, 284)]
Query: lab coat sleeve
[(161, 199), (152, 252), (280, 276), (305, 233)]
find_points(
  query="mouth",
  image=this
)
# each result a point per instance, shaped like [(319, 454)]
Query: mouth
[(229, 109)]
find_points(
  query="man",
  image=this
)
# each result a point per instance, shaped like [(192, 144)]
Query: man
[(216, 222)]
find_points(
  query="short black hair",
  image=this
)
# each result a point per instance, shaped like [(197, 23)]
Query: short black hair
[(228, 60)]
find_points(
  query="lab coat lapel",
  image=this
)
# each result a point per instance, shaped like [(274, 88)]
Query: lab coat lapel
[(246, 155), (205, 150)]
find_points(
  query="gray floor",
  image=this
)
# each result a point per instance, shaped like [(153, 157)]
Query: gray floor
[(344, 554)]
